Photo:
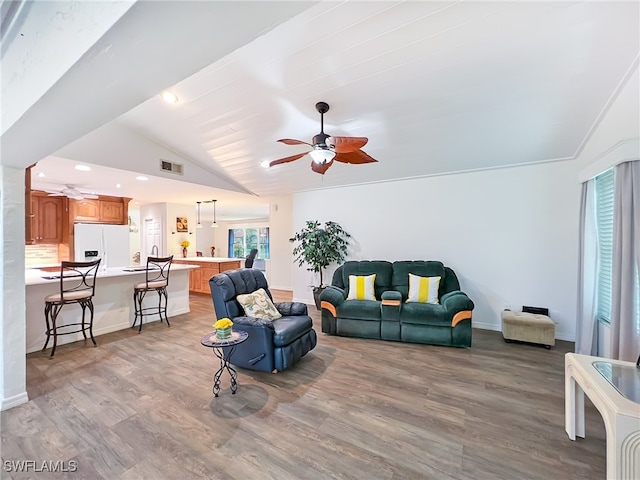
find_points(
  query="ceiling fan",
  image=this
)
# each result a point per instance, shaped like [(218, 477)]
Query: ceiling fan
[(327, 148), (71, 192)]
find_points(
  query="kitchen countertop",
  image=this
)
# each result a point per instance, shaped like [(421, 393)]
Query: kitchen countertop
[(209, 259), (33, 276)]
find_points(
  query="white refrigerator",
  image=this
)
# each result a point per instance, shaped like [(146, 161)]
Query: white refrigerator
[(109, 242)]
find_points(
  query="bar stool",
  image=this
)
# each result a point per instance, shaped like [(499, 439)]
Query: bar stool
[(77, 285), (157, 278)]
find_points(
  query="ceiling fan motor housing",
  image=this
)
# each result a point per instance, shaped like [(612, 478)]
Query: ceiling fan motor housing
[(320, 140)]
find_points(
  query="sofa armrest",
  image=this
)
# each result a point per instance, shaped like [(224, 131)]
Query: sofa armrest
[(334, 295), (459, 305), (330, 298), (391, 297), (252, 322), (257, 352), (390, 304), (291, 308)]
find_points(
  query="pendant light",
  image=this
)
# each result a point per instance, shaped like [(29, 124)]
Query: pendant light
[(214, 224), (199, 225)]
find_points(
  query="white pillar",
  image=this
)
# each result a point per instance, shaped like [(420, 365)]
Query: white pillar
[(13, 376)]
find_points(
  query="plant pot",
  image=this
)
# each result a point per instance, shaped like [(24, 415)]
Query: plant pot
[(223, 333), (316, 295)]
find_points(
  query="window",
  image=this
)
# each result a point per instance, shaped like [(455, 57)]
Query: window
[(243, 240), (604, 229)]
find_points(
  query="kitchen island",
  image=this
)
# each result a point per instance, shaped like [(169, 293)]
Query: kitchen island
[(208, 267), (113, 301)]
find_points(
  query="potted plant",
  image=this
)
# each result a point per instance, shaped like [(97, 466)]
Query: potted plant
[(319, 246)]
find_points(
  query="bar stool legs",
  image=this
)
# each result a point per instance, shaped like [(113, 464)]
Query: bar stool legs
[(140, 311), (51, 311)]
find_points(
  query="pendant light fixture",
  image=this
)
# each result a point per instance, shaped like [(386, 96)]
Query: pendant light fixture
[(214, 224), (199, 225)]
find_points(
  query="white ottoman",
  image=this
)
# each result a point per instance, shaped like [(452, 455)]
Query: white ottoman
[(528, 327)]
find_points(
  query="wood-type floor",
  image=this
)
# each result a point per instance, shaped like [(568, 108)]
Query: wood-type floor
[(141, 406)]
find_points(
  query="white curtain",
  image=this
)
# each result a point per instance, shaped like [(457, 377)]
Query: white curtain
[(625, 331), (586, 325)]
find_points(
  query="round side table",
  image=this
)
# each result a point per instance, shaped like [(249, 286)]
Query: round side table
[(218, 345)]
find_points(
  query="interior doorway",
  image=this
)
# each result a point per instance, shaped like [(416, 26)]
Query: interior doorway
[(153, 244)]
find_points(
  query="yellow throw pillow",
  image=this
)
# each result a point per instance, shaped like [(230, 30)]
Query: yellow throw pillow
[(423, 289), (258, 305), (361, 287)]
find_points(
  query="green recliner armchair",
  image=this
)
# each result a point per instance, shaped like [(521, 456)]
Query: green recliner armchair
[(389, 316)]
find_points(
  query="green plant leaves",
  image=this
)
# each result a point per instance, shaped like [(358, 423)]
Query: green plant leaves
[(319, 245)]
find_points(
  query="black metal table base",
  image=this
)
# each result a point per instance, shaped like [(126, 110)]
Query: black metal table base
[(225, 365)]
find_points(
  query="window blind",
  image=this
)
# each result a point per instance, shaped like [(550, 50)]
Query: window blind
[(604, 226)]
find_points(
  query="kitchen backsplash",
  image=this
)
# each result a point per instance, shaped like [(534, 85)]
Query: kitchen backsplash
[(40, 255)]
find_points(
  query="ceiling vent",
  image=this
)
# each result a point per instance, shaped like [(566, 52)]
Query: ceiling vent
[(172, 167)]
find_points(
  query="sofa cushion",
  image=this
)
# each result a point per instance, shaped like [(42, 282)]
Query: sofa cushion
[(423, 289), (381, 268), (360, 310), (402, 269), (258, 304), (425, 314), (361, 287), (289, 328)]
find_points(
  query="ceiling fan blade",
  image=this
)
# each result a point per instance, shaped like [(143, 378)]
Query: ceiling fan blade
[(347, 144), (89, 196), (356, 158), (320, 167), (291, 141), (287, 159)]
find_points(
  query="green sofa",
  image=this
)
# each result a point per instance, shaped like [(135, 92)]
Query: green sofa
[(389, 317)]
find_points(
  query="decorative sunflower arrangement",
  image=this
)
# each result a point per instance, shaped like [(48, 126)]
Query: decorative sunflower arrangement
[(223, 328), (185, 244)]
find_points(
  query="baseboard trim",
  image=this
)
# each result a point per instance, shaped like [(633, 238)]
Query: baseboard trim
[(14, 401)]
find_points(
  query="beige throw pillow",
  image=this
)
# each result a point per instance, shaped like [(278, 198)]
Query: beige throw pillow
[(258, 304)]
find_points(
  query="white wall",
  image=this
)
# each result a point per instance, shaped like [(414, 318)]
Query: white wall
[(280, 231), (134, 236), (509, 234), (13, 378), (174, 238)]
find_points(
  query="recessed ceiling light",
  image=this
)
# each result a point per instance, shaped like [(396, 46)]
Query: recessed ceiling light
[(265, 164), (118, 185), (41, 174), (142, 178), (169, 97), (83, 168)]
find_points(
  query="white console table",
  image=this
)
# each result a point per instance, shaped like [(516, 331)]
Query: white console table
[(621, 415)]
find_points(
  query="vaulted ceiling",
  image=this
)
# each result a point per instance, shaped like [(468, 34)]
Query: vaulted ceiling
[(437, 87)]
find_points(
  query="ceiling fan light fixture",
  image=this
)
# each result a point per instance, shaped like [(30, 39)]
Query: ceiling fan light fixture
[(322, 154)]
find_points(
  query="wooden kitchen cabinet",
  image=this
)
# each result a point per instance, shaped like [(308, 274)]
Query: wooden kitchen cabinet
[(195, 280), (199, 277), (47, 224), (108, 210), (112, 212), (85, 210)]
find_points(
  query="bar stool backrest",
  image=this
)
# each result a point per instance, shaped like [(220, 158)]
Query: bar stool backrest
[(158, 269), (83, 279)]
